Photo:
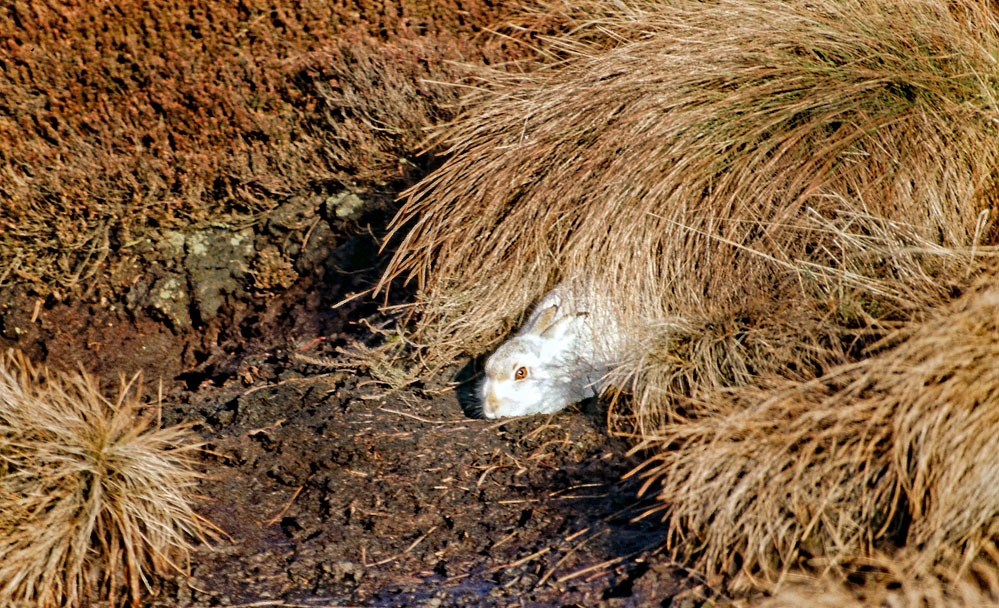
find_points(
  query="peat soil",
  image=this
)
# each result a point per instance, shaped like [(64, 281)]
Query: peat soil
[(328, 489)]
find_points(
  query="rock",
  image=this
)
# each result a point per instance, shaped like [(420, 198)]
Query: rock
[(166, 296), (170, 245), (344, 205), (316, 253), (169, 297), (217, 263)]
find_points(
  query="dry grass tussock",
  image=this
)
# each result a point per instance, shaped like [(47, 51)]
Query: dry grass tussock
[(378, 100), (887, 583), (782, 199), (763, 187), (94, 497), (896, 450)]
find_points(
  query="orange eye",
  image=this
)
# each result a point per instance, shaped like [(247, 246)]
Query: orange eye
[(520, 374)]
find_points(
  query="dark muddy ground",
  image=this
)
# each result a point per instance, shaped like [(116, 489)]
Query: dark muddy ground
[(331, 492)]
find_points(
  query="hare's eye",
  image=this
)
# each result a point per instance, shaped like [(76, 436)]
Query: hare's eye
[(521, 373)]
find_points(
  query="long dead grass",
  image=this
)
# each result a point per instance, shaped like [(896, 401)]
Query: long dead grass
[(768, 186), (784, 197), (94, 497), (896, 450), (889, 583)]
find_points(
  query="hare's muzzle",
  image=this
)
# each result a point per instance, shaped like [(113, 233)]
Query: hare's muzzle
[(490, 404)]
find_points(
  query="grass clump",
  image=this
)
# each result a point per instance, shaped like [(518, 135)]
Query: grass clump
[(887, 582), (768, 186), (94, 497), (893, 451), (376, 100), (783, 199)]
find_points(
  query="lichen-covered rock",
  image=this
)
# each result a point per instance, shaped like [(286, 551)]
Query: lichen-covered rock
[(218, 264), (344, 205), (165, 296)]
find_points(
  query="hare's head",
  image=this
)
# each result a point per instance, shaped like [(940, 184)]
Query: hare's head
[(535, 371)]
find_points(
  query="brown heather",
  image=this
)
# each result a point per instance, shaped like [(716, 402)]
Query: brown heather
[(94, 497), (786, 196), (118, 119)]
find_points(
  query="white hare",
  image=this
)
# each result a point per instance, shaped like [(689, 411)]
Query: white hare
[(560, 356)]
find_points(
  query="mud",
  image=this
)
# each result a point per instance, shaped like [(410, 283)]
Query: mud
[(335, 495), (328, 489)]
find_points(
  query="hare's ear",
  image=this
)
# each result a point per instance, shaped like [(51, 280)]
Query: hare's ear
[(557, 330), (544, 321)]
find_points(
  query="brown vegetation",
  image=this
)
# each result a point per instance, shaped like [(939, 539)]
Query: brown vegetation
[(893, 450), (773, 189), (94, 496), (119, 118), (886, 582), (768, 185)]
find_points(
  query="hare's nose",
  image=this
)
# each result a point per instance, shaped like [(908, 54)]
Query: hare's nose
[(490, 403)]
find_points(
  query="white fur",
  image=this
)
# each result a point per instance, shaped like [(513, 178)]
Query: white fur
[(567, 346)]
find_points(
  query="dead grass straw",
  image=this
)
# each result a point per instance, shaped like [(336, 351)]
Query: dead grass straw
[(763, 187), (889, 583), (781, 199), (94, 498), (895, 451)]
